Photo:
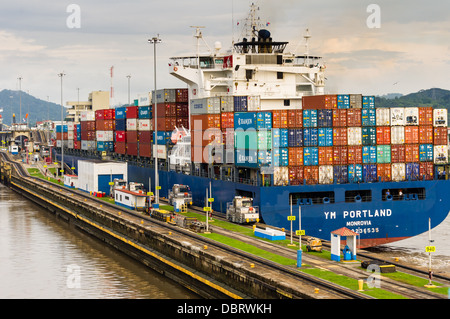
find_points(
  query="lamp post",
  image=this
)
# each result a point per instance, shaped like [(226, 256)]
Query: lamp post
[(62, 124), (129, 77), (154, 41)]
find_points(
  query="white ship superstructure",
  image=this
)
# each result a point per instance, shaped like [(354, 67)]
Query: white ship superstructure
[(256, 66)]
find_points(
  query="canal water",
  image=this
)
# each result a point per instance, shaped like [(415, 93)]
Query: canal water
[(42, 257)]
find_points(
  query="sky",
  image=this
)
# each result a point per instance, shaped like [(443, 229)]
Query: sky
[(371, 47)]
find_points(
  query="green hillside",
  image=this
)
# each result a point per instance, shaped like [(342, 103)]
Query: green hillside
[(37, 109), (432, 97)]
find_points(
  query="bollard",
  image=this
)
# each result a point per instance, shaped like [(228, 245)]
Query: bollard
[(360, 284), (316, 290), (299, 258)]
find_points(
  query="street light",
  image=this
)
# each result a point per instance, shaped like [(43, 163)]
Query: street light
[(154, 41), (62, 126), (129, 101)]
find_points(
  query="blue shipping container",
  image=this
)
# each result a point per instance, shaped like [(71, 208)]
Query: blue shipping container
[(311, 156), (245, 120), (295, 137), (369, 154), (370, 173), (105, 146), (121, 113), (280, 137), (240, 103), (355, 173), (368, 117), (246, 158), (280, 157), (343, 101), (145, 112), (340, 174), (325, 137), (310, 137), (426, 152), (369, 136), (264, 120), (368, 102), (264, 158), (61, 129), (412, 171), (78, 136), (309, 118), (121, 125), (163, 137), (324, 118)]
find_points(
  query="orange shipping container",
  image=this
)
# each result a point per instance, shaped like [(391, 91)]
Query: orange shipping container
[(426, 134), (311, 175), (340, 155), (325, 156), (296, 175), (354, 117), (355, 155), (426, 170), (398, 153), (279, 119), (203, 138), (411, 134), (411, 153), (227, 120), (383, 135), (340, 136), (295, 156), (295, 118), (340, 118), (425, 116), (205, 121), (384, 171), (440, 136)]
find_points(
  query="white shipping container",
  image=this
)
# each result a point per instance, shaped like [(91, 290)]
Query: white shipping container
[(144, 99), (398, 172), (160, 151), (280, 176), (70, 143), (227, 103), (441, 154), (383, 117), (411, 116), (440, 117), (209, 105), (105, 136), (397, 135), (70, 126), (59, 143), (254, 103), (145, 125), (131, 124), (397, 116), (95, 175), (87, 116), (71, 181), (88, 145), (70, 135), (354, 136), (326, 174)]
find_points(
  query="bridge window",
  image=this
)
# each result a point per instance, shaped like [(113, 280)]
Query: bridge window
[(358, 196), (403, 194), (312, 198)]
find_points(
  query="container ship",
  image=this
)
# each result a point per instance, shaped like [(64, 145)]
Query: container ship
[(256, 122)]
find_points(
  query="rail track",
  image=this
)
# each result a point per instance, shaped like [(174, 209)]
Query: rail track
[(325, 286)]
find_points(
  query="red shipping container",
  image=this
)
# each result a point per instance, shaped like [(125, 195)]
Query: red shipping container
[(426, 134), (77, 145), (412, 153), (311, 175), (295, 156), (145, 149), (440, 136), (120, 147), (99, 114), (354, 117), (340, 155), (205, 121), (132, 136), (166, 123), (109, 114), (355, 155), (182, 95), (121, 136), (295, 118), (204, 138), (398, 153), (132, 149), (145, 137), (165, 110), (325, 156), (383, 135), (182, 110), (105, 125), (227, 120), (426, 169), (339, 118), (280, 119), (295, 175), (87, 126), (132, 112), (411, 135), (319, 102), (425, 116), (64, 136), (384, 172), (340, 136), (180, 121)]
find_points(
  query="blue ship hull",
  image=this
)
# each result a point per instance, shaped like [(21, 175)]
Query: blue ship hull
[(377, 219)]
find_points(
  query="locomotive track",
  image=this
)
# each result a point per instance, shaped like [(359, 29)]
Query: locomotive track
[(333, 290)]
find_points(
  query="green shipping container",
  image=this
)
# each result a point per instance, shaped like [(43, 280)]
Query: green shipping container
[(245, 140), (264, 140), (369, 136), (383, 154)]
